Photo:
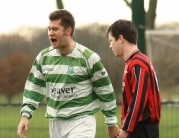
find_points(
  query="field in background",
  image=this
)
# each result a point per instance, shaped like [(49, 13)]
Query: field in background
[(38, 127)]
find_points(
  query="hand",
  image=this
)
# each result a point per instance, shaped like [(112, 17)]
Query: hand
[(123, 134), (113, 131), (23, 127)]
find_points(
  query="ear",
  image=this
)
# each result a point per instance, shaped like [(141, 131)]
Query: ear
[(68, 31), (121, 38)]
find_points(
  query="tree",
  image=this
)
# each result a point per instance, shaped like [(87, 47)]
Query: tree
[(150, 14), (59, 4), (14, 71), (138, 18)]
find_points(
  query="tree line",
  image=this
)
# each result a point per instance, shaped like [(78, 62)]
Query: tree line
[(18, 52)]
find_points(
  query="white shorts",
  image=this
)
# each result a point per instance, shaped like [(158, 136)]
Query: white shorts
[(79, 127)]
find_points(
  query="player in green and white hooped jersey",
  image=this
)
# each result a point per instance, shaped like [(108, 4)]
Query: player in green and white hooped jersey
[(74, 82)]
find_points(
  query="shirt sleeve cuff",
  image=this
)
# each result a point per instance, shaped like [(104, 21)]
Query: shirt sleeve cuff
[(26, 114), (111, 121)]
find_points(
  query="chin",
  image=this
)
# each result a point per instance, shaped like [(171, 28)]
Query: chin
[(54, 46), (117, 55)]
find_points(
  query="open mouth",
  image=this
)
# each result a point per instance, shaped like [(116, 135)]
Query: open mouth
[(53, 41)]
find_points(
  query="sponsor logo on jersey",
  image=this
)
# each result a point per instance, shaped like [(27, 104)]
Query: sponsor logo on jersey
[(123, 85), (64, 93), (103, 73), (48, 69), (125, 72)]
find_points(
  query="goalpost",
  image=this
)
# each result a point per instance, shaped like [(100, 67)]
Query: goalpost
[(152, 36), (162, 47)]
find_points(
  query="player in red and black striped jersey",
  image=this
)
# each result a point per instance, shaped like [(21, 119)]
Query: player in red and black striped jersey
[(141, 105)]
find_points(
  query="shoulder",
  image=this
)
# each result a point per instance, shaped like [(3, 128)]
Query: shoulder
[(88, 53), (140, 59), (44, 52)]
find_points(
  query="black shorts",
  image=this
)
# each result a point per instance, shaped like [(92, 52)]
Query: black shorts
[(145, 130)]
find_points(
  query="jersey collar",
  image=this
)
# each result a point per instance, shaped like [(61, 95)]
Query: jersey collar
[(130, 56)]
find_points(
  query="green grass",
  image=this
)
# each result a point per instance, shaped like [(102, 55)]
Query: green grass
[(38, 127)]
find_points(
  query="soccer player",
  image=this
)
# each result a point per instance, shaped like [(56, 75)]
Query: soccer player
[(141, 105), (74, 82)]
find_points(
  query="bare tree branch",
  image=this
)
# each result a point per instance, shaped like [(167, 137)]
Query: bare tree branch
[(128, 3)]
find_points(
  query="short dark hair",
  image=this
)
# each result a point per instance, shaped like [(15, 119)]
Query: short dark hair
[(125, 28), (67, 19)]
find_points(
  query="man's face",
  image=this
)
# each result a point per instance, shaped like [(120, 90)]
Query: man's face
[(56, 34), (115, 45)]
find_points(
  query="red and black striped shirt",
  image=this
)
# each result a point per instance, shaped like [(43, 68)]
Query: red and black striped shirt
[(141, 96)]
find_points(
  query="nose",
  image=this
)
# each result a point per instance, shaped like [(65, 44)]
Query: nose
[(110, 46), (50, 32)]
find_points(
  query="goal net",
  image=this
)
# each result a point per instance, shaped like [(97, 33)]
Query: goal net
[(162, 46)]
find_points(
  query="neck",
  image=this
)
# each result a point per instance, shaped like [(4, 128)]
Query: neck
[(66, 49), (129, 50)]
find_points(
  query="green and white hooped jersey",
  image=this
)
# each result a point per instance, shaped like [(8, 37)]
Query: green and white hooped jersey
[(74, 85)]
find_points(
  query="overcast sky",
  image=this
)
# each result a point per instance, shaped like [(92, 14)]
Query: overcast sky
[(15, 13)]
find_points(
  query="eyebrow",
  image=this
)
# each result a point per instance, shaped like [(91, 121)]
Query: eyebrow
[(52, 27)]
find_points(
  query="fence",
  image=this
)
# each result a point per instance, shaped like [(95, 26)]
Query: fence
[(162, 48), (38, 126)]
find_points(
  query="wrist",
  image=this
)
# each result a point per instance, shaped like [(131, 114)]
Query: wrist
[(111, 125), (25, 115)]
